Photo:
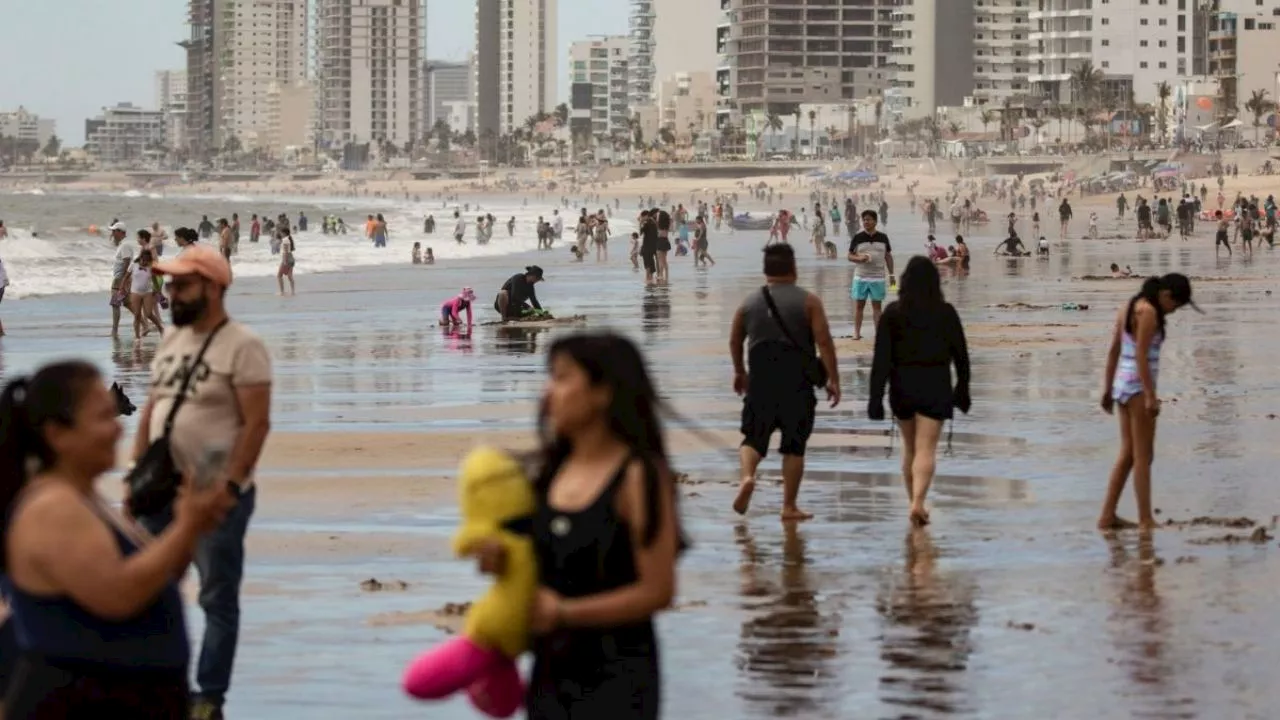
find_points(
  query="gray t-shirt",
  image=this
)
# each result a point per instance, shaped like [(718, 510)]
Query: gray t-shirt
[(875, 246), (761, 326)]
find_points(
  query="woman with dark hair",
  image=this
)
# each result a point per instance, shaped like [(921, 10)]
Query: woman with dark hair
[(94, 600), (1133, 363), (607, 535), (918, 339)]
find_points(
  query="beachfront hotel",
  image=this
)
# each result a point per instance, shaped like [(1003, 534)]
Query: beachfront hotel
[(368, 72), (515, 62), (933, 63), (598, 88)]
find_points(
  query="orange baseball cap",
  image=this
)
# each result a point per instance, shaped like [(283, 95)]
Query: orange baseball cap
[(199, 260)]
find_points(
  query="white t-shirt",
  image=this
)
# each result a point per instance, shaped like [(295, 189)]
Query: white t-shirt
[(140, 280), (4, 276), (460, 228), (124, 255), (558, 225)]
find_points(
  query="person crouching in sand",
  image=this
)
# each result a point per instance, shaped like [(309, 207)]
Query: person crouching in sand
[(1129, 385)]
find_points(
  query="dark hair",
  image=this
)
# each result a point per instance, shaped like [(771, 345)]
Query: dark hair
[(921, 287), (615, 362), (27, 405), (779, 260), (1179, 287), (144, 234), (870, 214)]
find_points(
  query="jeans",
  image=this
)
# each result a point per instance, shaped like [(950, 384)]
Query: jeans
[(220, 561)]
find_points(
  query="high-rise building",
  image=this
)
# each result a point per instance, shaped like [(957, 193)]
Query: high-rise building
[(1136, 47), (1002, 51), (27, 127), (236, 53), (515, 62), (933, 56), (171, 99), (1242, 59), (368, 71), (782, 53), (601, 63), (669, 37), (447, 83)]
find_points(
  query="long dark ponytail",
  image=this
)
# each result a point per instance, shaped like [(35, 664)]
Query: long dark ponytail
[(1150, 292), (614, 361), (27, 405)]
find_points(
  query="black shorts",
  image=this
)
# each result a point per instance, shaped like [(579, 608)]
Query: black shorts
[(650, 261), (664, 244), (922, 391), (791, 414), (1221, 239)]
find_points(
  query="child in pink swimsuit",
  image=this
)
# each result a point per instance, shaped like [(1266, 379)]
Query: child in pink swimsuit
[(451, 310)]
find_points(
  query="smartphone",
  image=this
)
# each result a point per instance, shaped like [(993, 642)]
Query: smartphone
[(212, 463)]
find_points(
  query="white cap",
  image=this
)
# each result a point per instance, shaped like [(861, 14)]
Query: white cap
[(117, 227)]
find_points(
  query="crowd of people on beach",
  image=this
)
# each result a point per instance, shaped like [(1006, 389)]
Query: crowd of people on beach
[(95, 623)]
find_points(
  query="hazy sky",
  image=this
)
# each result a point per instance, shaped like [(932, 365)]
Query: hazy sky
[(67, 59)]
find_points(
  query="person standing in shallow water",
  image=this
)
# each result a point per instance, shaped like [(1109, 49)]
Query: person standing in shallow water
[(607, 536), (778, 394), (918, 339), (1129, 391)]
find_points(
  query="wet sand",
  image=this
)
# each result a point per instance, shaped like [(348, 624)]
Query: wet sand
[(1011, 586)]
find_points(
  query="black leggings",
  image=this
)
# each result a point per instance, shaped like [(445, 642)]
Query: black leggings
[(42, 690)]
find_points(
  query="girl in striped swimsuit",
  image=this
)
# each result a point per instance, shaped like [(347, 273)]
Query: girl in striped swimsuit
[(1133, 364)]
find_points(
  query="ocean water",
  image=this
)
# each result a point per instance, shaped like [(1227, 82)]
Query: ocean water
[(50, 249)]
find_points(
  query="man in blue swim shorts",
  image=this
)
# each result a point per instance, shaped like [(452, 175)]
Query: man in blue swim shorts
[(873, 266)]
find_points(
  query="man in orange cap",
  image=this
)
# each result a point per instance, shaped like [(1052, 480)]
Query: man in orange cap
[(226, 370)]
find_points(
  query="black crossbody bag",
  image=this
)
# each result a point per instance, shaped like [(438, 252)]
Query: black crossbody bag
[(153, 482), (815, 372)]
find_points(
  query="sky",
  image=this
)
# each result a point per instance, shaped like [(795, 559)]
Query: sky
[(67, 59)]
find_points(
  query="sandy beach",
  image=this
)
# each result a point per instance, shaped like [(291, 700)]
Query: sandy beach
[(374, 405)]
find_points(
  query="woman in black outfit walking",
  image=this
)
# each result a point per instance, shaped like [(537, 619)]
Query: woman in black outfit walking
[(918, 339), (607, 535)]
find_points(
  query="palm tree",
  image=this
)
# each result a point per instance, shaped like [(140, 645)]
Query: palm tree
[(562, 115), (813, 117), (795, 149), (1163, 93), (1086, 82), (987, 118), (667, 136), (52, 147), (831, 131), (1259, 105)]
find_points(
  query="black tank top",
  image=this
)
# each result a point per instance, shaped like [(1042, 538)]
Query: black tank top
[(583, 553), (64, 633)]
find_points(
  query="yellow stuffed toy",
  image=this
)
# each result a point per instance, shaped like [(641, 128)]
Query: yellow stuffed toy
[(496, 501)]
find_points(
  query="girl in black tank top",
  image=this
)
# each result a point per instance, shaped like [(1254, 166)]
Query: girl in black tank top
[(606, 533)]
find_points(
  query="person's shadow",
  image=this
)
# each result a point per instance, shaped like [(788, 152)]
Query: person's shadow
[(787, 646), (925, 644)]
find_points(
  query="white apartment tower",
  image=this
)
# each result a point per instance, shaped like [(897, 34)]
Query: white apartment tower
[(238, 55), (933, 56), (515, 62), (368, 66), (1135, 44), (171, 98), (1002, 50), (640, 56), (602, 64)]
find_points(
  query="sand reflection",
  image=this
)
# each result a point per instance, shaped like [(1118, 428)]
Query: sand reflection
[(786, 648), (928, 616)]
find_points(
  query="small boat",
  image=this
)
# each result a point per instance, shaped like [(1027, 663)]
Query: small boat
[(748, 221)]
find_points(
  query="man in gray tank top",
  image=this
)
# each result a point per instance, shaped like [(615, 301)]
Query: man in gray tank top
[(777, 395)]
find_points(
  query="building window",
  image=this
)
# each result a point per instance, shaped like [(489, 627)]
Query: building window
[(1143, 65)]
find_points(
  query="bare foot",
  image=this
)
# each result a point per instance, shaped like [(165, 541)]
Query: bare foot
[(795, 514), (857, 337), (743, 501), (1116, 523), (1147, 524), (919, 517)]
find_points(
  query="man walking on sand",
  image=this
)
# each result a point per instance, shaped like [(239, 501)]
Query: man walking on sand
[(781, 324), (873, 266), (227, 408)]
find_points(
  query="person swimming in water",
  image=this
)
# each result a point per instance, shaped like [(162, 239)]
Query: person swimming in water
[(452, 309), (1129, 391)]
